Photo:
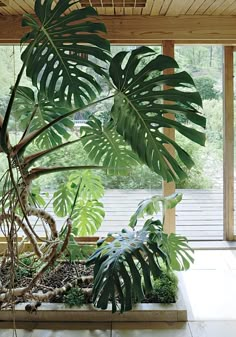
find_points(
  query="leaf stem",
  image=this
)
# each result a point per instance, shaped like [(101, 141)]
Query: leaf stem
[(30, 137)]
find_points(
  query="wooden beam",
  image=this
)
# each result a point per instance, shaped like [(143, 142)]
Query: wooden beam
[(130, 28), (156, 28), (169, 188), (228, 143)]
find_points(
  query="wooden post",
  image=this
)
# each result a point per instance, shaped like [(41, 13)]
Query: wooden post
[(169, 188), (228, 144)]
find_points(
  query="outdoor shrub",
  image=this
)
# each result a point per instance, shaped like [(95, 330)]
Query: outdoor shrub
[(206, 87)]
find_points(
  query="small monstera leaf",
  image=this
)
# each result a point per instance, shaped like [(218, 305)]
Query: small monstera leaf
[(90, 185), (175, 247), (63, 200), (38, 112), (77, 198), (36, 197), (153, 205), (178, 250), (87, 217), (54, 56), (140, 106), (105, 146)]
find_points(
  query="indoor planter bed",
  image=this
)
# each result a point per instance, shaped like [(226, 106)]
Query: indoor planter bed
[(56, 312)]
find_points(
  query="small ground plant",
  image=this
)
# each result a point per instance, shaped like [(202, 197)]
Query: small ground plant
[(165, 288), (74, 297)]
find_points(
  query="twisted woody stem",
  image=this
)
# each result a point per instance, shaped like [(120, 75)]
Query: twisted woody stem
[(51, 250)]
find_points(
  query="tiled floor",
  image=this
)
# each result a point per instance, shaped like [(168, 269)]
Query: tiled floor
[(209, 289)]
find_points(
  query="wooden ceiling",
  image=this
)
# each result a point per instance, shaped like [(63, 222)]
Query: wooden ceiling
[(137, 7)]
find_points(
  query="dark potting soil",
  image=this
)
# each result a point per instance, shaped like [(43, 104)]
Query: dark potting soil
[(57, 277)]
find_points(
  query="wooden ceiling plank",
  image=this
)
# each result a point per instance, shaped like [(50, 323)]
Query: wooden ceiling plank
[(119, 10), (148, 8), (24, 6), (204, 7), (3, 11), (16, 7), (101, 10), (157, 5), (137, 11), (128, 11), (229, 10), (76, 6), (192, 10), (177, 8), (30, 3), (109, 11), (165, 7), (213, 7), (9, 10), (6, 2), (222, 7), (185, 7)]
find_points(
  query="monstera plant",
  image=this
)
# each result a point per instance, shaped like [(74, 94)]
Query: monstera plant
[(64, 82), (125, 263)]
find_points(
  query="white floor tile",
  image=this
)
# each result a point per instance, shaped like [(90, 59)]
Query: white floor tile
[(209, 260), (71, 333), (11, 333), (150, 330), (213, 329), (211, 295)]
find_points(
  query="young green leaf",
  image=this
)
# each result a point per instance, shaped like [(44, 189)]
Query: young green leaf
[(87, 217)]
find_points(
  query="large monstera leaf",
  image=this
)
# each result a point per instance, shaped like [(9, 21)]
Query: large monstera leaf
[(120, 267), (36, 112), (105, 146), (140, 106), (57, 42), (125, 263)]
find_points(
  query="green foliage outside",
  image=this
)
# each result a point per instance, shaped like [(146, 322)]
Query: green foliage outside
[(206, 86)]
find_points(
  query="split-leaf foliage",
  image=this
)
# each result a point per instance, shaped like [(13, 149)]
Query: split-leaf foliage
[(64, 82), (125, 263)]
